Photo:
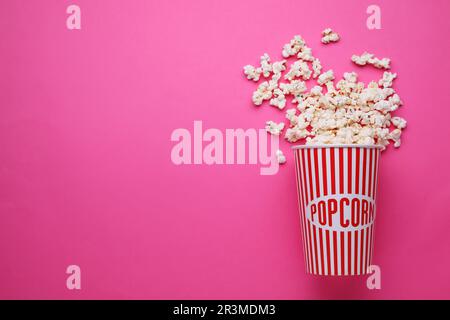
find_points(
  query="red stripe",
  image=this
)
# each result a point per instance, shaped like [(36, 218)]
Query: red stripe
[(322, 265), (308, 253), (349, 255), (327, 238), (357, 171), (369, 262), (349, 170), (316, 258), (333, 169), (355, 268), (371, 242), (311, 248), (364, 171), (300, 202), (341, 170), (367, 247), (304, 175), (316, 172), (310, 175), (335, 252), (375, 174), (370, 172), (361, 260), (324, 171), (342, 253)]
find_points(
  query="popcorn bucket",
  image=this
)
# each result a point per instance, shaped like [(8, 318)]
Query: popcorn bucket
[(337, 187)]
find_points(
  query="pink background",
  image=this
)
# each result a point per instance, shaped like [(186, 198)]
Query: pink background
[(85, 170)]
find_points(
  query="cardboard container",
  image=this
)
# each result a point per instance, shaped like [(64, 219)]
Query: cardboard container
[(337, 187)]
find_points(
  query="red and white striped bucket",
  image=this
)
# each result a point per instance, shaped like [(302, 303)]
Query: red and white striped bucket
[(337, 187)]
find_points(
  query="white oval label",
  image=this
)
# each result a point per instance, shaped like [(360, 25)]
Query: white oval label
[(341, 212)]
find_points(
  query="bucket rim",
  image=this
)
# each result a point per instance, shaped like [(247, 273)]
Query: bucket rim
[(320, 146)]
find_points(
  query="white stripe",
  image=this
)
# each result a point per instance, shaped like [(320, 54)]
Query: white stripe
[(373, 241), (346, 254), (300, 207), (373, 172), (318, 252), (370, 245), (319, 166), (303, 184), (325, 252), (332, 251), (338, 248), (308, 187), (354, 164), (377, 166), (367, 170), (313, 175), (313, 255), (328, 168), (336, 170), (361, 165), (345, 170), (352, 252), (363, 267), (358, 250)]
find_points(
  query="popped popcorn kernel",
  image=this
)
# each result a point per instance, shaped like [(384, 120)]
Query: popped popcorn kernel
[(317, 68), (399, 122), (388, 78), (369, 58), (274, 128), (252, 73), (293, 47), (328, 36), (325, 77), (280, 157)]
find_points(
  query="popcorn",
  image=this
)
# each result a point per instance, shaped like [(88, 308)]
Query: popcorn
[(317, 68), (369, 58), (305, 54), (351, 77), (395, 135), (294, 134), (280, 157), (348, 112), (279, 66), (388, 78), (279, 99), (381, 64), (399, 122), (293, 47), (329, 36), (252, 73), (295, 87), (264, 92), (363, 59), (274, 128), (290, 115), (266, 67), (299, 69), (325, 77)]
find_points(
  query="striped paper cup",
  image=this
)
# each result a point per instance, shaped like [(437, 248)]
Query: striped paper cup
[(337, 187)]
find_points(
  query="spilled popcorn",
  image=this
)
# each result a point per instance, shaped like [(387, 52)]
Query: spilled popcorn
[(329, 36), (345, 112)]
